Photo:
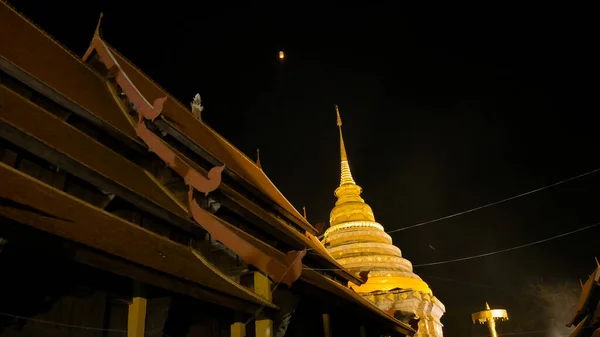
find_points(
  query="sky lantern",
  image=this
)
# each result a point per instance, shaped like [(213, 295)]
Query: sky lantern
[(281, 55)]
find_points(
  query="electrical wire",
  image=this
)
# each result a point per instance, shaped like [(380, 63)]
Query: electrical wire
[(493, 203), (472, 284), (77, 326), (507, 249), (273, 290), (486, 254), (520, 333), (61, 324)]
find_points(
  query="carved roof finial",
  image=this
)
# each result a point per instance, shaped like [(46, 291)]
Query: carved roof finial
[(304, 209), (97, 31), (197, 107), (258, 159)]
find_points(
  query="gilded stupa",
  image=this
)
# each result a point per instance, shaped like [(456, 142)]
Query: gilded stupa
[(360, 244)]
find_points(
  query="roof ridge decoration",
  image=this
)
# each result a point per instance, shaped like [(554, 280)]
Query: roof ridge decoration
[(144, 107), (91, 49), (258, 159), (43, 32), (97, 31), (293, 212), (287, 270), (197, 107)]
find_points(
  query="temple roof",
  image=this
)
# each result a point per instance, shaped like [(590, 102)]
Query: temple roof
[(199, 132), (62, 77), (88, 90), (83, 223)]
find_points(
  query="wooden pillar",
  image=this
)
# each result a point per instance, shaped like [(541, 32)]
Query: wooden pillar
[(136, 319), (262, 286), (326, 326), (238, 329), (259, 283), (264, 328)]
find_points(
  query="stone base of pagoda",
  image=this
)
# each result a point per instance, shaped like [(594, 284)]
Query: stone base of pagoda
[(412, 305)]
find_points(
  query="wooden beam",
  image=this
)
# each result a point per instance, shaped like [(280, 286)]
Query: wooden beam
[(196, 281), (45, 90), (243, 210), (272, 224), (183, 139), (66, 147), (148, 276), (83, 223), (21, 233), (295, 239), (75, 168)]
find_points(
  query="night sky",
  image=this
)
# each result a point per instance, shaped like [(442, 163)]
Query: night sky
[(444, 109)]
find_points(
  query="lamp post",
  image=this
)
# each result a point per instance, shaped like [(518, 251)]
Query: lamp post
[(489, 317)]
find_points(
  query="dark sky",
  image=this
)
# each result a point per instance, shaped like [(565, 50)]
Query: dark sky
[(444, 109)]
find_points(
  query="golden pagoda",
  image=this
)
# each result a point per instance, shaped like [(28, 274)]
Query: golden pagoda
[(360, 244)]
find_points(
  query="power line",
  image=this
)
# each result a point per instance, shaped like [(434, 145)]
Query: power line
[(521, 333), (507, 249), (494, 203), (472, 284), (275, 287), (61, 324), (485, 254)]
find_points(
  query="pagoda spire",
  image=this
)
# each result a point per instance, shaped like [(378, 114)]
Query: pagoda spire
[(346, 177)]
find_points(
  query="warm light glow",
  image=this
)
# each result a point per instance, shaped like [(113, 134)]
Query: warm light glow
[(353, 224), (281, 55)]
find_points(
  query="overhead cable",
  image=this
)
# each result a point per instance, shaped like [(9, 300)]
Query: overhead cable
[(507, 249), (493, 203)]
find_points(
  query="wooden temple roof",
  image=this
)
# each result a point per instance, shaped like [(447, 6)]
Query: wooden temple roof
[(73, 219), (50, 130), (179, 117), (70, 82), (25, 48), (30, 55)]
